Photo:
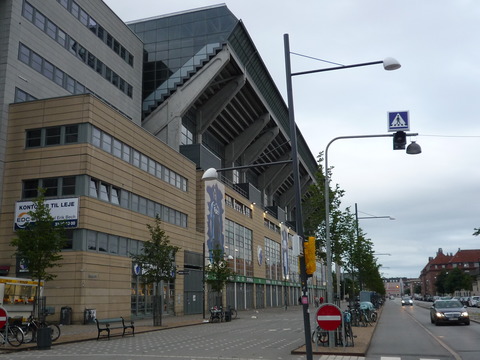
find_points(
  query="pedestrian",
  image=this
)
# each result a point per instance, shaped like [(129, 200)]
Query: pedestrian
[(321, 299)]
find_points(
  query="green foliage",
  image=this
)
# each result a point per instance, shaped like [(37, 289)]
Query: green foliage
[(217, 272), (40, 243), (350, 248), (440, 282), (158, 257), (457, 280)]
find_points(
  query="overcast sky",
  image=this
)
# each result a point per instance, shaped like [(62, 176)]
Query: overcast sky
[(434, 196)]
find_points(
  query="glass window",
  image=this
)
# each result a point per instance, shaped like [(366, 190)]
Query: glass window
[(91, 60), (159, 171), (122, 246), (126, 153), (93, 190), (99, 67), (116, 46), (136, 158), (135, 202), (106, 142), (104, 192), (96, 137), (61, 37), (79, 88), (166, 174), (39, 21), (115, 196), (59, 76), (48, 70), (27, 11), (101, 32), (108, 73), (51, 186), (109, 40), (30, 188), (150, 208), (34, 138), (51, 30), (151, 166), (113, 244), (74, 9), (68, 185), (83, 17), (20, 96), (143, 162), (115, 78), (71, 134), (91, 240), (24, 54), (117, 148), (142, 205), (52, 136), (92, 25), (82, 53), (124, 198), (70, 84), (36, 62)]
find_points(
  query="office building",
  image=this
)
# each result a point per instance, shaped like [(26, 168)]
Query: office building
[(80, 122)]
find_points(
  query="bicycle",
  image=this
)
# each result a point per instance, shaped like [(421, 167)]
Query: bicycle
[(347, 317), (216, 314), (320, 336), (32, 325), (14, 335)]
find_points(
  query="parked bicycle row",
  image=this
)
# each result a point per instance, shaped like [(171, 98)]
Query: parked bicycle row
[(16, 332), (358, 314)]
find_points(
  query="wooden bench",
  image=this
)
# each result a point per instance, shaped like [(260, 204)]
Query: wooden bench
[(115, 323)]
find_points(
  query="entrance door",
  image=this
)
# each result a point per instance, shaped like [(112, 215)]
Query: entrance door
[(193, 294)]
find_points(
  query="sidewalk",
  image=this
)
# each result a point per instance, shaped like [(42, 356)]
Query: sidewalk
[(78, 333), (362, 338)]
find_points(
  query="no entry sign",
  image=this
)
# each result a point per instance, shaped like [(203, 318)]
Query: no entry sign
[(329, 317), (3, 317)]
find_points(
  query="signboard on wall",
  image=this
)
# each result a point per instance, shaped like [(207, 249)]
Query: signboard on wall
[(63, 211)]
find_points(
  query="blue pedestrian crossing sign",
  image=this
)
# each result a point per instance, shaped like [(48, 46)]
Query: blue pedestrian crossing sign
[(398, 121)]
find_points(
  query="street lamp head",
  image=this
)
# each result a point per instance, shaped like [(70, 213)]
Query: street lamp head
[(414, 148), (210, 174), (390, 63)]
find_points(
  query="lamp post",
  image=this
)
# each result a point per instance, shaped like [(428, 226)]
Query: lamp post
[(327, 203), (388, 64)]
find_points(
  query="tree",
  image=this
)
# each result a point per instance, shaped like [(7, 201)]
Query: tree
[(158, 264), (217, 273), (39, 243), (457, 280), (440, 282)]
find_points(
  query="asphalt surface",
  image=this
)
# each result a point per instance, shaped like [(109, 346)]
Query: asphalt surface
[(79, 333)]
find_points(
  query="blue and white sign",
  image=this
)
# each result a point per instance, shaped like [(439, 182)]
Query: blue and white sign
[(398, 121)]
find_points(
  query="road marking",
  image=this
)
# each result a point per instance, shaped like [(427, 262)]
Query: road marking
[(445, 346)]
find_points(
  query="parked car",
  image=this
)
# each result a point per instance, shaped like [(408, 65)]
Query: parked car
[(473, 301), (448, 311), (407, 300)]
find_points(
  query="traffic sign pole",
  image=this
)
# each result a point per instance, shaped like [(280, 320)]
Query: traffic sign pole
[(329, 318)]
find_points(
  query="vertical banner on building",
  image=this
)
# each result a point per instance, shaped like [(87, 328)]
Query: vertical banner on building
[(214, 216), (285, 265), (296, 246)]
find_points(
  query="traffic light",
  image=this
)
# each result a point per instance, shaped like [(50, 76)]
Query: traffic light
[(310, 255), (399, 140)]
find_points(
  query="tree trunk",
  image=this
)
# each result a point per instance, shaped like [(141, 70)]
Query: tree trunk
[(157, 306)]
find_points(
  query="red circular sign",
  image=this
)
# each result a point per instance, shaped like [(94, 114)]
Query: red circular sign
[(329, 317), (3, 317)]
